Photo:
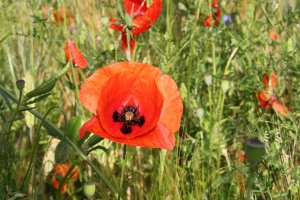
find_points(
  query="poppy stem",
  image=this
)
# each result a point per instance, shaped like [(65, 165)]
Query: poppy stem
[(77, 91), (123, 169)]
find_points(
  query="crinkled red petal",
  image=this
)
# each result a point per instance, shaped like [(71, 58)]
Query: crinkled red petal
[(89, 94), (72, 52)]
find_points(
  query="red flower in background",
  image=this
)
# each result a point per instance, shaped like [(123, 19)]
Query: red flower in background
[(72, 52), (267, 98), (59, 173), (133, 104), (59, 16), (273, 35), (216, 14), (142, 17)]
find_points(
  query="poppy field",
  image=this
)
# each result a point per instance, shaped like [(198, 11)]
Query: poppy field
[(149, 99)]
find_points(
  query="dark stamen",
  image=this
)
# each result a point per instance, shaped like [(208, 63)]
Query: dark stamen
[(130, 117)]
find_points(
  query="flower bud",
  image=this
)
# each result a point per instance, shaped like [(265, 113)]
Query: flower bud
[(225, 86), (200, 112), (89, 189), (61, 151), (20, 84), (208, 79), (255, 150)]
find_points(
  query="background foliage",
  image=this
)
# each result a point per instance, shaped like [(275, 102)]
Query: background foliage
[(207, 162)]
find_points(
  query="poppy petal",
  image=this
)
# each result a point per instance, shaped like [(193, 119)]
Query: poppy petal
[(140, 92), (91, 89), (114, 25), (90, 126), (144, 22), (160, 137), (173, 107), (280, 108), (72, 52), (274, 79)]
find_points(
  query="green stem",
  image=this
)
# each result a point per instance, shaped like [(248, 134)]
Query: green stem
[(123, 170), (77, 91), (162, 162), (249, 182)]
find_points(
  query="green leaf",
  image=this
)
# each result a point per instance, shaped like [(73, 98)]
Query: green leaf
[(72, 127), (5, 144), (4, 36), (17, 118), (51, 131), (6, 100), (40, 98), (26, 109), (95, 148)]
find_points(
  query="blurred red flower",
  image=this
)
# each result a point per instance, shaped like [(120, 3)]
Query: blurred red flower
[(216, 14), (72, 52), (59, 16), (273, 35), (267, 98), (60, 172), (140, 17), (133, 104)]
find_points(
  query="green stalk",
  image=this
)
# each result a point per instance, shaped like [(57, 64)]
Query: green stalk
[(77, 91), (249, 182), (123, 170), (162, 162)]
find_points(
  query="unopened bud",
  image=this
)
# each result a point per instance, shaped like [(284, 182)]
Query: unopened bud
[(61, 151), (20, 84), (200, 112), (255, 150), (208, 79), (89, 189), (225, 86)]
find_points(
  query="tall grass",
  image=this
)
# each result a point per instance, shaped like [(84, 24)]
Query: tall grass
[(207, 161)]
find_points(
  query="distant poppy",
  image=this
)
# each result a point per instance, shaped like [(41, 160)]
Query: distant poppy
[(267, 98), (273, 35), (216, 14), (60, 16), (72, 52), (140, 18), (60, 172), (133, 104)]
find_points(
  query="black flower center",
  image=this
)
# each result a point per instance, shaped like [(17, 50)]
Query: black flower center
[(129, 116)]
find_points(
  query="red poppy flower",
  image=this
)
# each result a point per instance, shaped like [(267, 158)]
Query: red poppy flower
[(60, 171), (216, 14), (267, 98), (142, 15), (60, 16), (133, 104), (73, 53), (273, 35)]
